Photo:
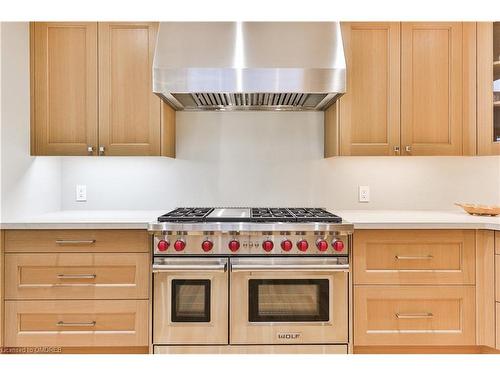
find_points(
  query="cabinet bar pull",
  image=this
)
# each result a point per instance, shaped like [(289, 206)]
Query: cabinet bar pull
[(84, 276), (414, 257), (70, 324), (75, 242), (426, 315)]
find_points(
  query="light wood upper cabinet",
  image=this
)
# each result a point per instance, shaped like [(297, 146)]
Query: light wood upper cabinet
[(64, 88), (411, 90), (129, 112), (92, 91), (431, 88), (370, 109), (488, 88)]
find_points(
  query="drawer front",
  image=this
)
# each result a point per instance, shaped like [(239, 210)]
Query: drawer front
[(414, 315), (414, 257), (497, 278), (76, 323), (87, 241), (498, 325), (76, 276), (497, 242)]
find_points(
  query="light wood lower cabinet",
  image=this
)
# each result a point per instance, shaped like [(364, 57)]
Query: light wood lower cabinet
[(76, 323), (414, 315), (88, 241), (76, 276), (414, 257)]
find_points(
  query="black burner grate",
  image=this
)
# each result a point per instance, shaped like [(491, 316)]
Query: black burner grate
[(257, 214)]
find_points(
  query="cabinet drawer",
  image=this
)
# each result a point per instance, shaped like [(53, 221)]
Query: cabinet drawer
[(497, 277), (414, 315), (498, 325), (76, 323), (76, 276), (42, 241), (497, 242), (414, 257)]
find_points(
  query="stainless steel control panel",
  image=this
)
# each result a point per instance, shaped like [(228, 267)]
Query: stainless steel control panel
[(274, 243)]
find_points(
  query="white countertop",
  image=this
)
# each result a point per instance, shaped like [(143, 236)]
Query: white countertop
[(362, 219)]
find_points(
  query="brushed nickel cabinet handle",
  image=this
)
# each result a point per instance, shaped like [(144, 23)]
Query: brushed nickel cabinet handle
[(90, 149), (75, 242), (396, 149), (408, 149), (76, 324), (101, 150), (425, 315), (82, 276), (414, 257)]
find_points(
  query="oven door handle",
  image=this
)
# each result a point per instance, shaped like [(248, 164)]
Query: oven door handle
[(291, 267), (158, 268)]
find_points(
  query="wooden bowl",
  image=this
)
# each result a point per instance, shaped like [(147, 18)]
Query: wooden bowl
[(479, 209)]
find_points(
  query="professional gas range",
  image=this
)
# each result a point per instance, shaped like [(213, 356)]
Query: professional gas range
[(246, 280), (250, 231)]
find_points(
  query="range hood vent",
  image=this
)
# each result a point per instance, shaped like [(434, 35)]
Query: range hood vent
[(292, 66)]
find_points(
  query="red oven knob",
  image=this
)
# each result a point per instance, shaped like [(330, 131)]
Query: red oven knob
[(338, 245), (322, 245), (267, 245), (179, 245), (286, 245), (302, 245), (162, 245), (207, 245), (234, 245)]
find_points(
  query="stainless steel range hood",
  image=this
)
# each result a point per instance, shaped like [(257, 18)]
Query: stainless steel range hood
[(249, 65)]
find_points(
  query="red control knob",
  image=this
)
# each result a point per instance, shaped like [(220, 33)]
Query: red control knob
[(207, 245), (179, 245), (322, 245), (267, 245), (286, 245), (162, 245), (234, 245), (302, 245), (338, 245)]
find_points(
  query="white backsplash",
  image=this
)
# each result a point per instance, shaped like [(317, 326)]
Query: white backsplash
[(273, 159)]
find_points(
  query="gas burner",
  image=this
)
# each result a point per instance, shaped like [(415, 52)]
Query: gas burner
[(190, 214), (250, 215)]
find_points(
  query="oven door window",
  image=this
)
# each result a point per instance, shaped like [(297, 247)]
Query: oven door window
[(287, 300), (190, 301)]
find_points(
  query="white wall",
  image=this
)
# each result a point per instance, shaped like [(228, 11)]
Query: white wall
[(272, 159), (29, 185)]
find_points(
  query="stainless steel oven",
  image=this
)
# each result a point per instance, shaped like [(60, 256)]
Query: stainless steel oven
[(190, 301), (289, 301)]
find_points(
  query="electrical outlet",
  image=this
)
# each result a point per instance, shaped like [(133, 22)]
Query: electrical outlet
[(364, 194), (81, 193)]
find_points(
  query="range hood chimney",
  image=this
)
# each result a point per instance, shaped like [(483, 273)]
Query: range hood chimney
[(249, 65)]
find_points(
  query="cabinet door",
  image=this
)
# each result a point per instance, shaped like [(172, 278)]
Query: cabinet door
[(488, 88), (369, 111), (64, 87), (431, 88), (129, 112)]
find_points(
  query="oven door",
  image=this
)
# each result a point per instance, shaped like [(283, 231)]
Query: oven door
[(190, 301), (289, 301)]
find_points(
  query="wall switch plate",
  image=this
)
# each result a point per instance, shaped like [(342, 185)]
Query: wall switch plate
[(364, 194), (81, 193)]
